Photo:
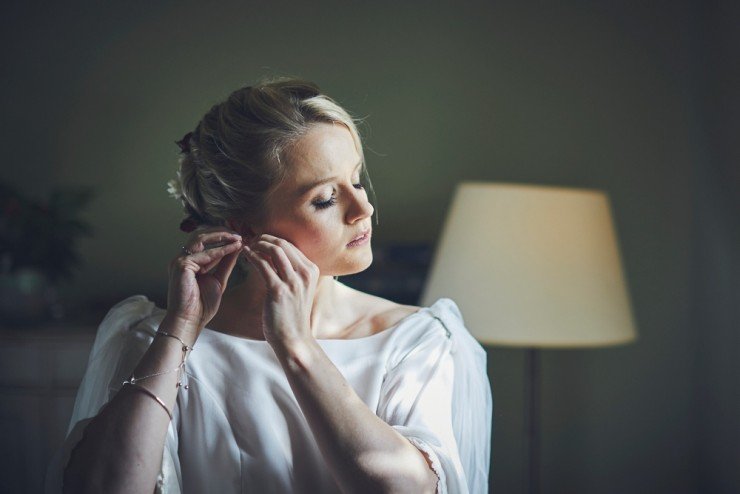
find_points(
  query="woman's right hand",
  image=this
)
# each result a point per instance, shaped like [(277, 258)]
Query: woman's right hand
[(198, 278)]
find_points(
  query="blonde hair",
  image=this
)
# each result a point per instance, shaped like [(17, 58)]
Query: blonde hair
[(233, 160)]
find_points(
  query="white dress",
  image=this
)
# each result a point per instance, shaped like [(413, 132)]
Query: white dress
[(239, 428)]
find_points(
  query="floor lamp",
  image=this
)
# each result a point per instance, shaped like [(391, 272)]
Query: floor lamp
[(534, 267)]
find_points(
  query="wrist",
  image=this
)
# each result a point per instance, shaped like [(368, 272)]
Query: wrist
[(297, 353), (184, 329)]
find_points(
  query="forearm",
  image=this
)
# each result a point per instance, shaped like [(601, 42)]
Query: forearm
[(363, 452), (122, 446)]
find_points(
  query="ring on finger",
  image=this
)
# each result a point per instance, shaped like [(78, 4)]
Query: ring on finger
[(186, 251)]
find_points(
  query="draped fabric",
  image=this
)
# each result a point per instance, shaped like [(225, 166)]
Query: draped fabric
[(239, 428)]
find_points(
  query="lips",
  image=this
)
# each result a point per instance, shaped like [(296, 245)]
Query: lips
[(363, 234)]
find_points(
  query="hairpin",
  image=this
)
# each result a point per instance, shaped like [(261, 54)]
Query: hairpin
[(188, 224), (184, 143)]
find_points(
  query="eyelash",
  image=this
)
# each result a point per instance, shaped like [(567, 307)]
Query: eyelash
[(333, 200)]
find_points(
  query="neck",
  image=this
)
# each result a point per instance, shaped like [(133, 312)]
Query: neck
[(243, 305)]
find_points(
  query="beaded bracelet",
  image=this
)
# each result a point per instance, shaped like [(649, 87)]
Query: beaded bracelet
[(133, 380), (185, 347), (185, 350)]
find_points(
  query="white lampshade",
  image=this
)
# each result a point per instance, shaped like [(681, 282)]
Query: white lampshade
[(533, 266)]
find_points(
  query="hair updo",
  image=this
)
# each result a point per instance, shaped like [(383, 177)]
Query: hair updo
[(233, 159)]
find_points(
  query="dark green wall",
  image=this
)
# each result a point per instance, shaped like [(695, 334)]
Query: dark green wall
[(715, 266), (574, 93)]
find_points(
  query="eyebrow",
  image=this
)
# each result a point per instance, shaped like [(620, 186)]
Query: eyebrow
[(307, 188)]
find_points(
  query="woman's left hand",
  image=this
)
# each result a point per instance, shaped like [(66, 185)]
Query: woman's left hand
[(291, 279)]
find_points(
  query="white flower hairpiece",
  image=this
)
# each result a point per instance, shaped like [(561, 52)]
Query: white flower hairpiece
[(174, 187)]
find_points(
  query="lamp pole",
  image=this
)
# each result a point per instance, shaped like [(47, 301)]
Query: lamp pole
[(532, 419)]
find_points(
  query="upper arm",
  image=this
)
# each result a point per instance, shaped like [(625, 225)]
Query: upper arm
[(416, 400)]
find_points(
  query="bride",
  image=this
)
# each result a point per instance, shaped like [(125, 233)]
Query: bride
[(265, 373)]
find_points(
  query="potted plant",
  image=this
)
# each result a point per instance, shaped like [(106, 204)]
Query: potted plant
[(38, 249)]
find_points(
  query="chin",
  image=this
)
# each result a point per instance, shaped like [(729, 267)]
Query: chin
[(352, 266), (358, 270)]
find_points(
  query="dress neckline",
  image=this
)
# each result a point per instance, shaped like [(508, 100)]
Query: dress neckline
[(373, 336)]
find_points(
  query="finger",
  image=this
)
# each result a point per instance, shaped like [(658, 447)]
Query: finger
[(214, 262), (211, 242), (206, 268), (269, 276), (225, 267), (182, 264), (203, 240), (212, 228), (207, 259), (209, 232), (279, 258), (297, 258), (291, 247)]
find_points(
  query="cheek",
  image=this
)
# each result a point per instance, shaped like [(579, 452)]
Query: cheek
[(317, 239), (322, 238)]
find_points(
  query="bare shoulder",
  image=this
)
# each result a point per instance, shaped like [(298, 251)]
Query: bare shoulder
[(382, 313)]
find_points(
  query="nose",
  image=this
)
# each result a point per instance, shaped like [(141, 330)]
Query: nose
[(359, 208)]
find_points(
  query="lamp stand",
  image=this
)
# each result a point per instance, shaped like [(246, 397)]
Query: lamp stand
[(532, 419)]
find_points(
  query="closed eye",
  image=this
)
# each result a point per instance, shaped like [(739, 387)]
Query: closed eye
[(333, 200)]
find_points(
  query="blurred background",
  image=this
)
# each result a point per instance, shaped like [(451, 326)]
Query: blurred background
[(638, 99)]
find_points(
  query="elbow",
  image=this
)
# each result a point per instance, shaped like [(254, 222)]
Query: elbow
[(73, 476), (89, 471), (78, 478), (400, 472), (426, 484), (430, 484), (424, 479), (93, 481), (74, 481), (421, 479), (79, 474)]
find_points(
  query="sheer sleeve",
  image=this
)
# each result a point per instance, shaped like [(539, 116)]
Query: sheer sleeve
[(122, 338), (438, 396)]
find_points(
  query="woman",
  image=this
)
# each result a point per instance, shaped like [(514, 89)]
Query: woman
[(289, 381)]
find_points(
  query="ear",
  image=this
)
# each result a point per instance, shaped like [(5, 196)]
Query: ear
[(242, 228)]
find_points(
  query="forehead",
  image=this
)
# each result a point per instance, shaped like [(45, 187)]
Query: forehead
[(326, 150)]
